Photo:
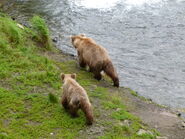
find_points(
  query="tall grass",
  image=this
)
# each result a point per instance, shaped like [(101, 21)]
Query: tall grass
[(10, 31), (41, 32)]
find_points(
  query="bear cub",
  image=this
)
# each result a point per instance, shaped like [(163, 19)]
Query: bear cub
[(95, 57), (75, 97)]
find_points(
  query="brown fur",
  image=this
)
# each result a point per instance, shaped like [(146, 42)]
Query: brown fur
[(75, 97), (95, 56)]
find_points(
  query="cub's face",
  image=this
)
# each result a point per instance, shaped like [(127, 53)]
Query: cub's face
[(77, 39), (65, 76)]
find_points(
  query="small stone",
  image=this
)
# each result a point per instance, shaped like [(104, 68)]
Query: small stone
[(118, 109), (183, 124), (20, 26), (126, 122), (158, 137), (121, 124), (141, 131), (179, 114), (168, 114), (55, 39), (13, 18), (94, 86), (4, 134)]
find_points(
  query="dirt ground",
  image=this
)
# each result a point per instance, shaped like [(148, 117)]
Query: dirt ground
[(162, 119)]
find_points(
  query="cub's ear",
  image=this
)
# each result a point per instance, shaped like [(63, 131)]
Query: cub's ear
[(62, 75), (73, 75)]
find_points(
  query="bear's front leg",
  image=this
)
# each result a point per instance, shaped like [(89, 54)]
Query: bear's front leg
[(81, 61), (82, 64), (97, 75), (73, 111)]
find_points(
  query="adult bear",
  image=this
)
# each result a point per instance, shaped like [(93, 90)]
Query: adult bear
[(95, 56)]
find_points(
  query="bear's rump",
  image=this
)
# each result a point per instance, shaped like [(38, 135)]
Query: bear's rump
[(94, 57)]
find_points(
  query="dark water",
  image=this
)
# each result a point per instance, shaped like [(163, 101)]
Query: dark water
[(145, 38)]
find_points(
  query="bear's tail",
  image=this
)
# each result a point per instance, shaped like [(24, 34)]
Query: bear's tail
[(87, 109), (111, 72)]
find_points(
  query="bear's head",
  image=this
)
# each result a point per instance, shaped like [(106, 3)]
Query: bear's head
[(66, 76), (77, 39)]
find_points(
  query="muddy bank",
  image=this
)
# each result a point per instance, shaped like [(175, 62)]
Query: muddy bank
[(2, 3)]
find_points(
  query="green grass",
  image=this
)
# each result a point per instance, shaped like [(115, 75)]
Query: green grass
[(41, 32), (27, 77)]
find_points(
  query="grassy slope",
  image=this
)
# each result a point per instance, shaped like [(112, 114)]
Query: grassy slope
[(28, 75)]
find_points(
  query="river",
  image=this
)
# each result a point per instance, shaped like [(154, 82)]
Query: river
[(145, 38)]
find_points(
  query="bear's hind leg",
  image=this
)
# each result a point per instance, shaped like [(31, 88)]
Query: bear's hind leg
[(90, 69), (97, 71), (65, 103), (87, 109), (110, 71), (97, 74)]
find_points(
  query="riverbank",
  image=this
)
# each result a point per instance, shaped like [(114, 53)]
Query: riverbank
[(30, 71)]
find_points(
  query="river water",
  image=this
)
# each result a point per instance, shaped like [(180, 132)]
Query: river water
[(145, 38)]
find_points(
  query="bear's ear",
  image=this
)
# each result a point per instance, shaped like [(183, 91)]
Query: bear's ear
[(82, 35), (62, 75), (72, 38), (73, 75)]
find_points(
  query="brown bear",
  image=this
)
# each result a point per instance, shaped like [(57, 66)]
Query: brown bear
[(95, 56), (75, 97)]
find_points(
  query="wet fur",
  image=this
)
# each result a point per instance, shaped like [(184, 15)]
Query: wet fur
[(75, 97), (95, 56)]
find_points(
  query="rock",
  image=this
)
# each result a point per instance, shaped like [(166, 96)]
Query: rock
[(118, 109), (168, 114), (125, 123), (20, 26), (142, 131), (94, 86), (3, 134), (183, 124), (179, 114), (55, 39), (13, 18), (158, 137)]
